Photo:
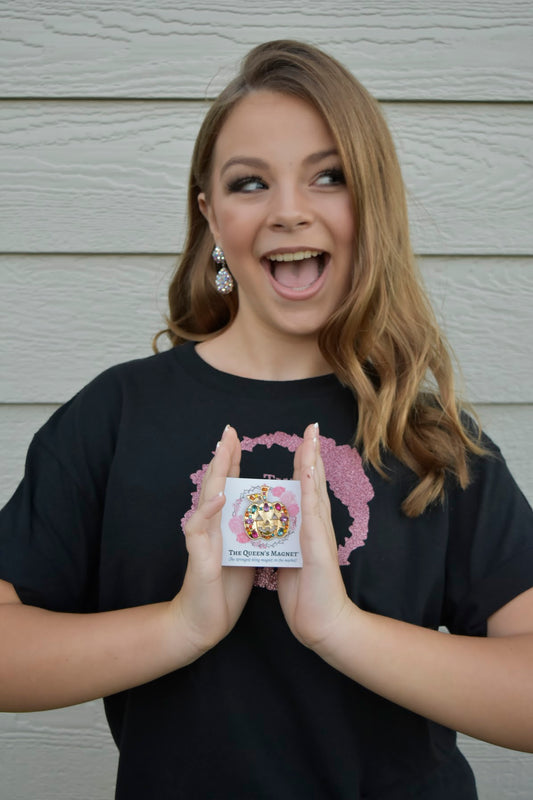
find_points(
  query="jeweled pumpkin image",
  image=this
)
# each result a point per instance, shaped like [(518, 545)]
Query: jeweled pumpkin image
[(265, 519)]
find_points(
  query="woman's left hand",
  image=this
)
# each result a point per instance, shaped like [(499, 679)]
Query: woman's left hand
[(479, 686), (313, 598)]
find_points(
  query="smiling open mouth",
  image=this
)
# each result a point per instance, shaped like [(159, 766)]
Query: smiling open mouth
[(297, 271)]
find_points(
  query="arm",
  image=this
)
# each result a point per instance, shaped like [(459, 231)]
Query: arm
[(480, 686), (50, 659)]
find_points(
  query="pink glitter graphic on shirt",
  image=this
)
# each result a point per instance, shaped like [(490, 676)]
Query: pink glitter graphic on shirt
[(345, 476)]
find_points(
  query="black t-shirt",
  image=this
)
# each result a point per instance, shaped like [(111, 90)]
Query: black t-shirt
[(96, 524)]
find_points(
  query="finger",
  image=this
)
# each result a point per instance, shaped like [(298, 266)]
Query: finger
[(218, 469), (205, 512), (200, 538), (321, 479), (309, 447), (312, 432), (203, 485), (297, 463), (232, 440), (315, 498), (324, 499), (314, 538), (307, 468)]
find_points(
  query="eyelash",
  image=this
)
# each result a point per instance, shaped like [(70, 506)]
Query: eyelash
[(336, 174), (239, 184)]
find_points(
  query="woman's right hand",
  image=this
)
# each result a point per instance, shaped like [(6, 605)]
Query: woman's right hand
[(212, 596), (52, 659)]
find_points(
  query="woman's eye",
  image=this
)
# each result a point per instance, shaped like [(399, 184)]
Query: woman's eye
[(251, 183), (331, 177)]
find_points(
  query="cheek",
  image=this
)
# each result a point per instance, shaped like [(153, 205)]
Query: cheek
[(346, 225), (345, 235), (237, 229)]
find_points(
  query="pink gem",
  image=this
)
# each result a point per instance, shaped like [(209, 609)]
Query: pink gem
[(278, 507)]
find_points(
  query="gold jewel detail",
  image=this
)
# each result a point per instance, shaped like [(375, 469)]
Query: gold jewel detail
[(264, 519)]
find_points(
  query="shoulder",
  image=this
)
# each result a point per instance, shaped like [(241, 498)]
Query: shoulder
[(492, 495), (95, 412), (491, 515), (156, 368), (490, 543)]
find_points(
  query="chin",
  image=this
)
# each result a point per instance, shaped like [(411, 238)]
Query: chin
[(302, 329)]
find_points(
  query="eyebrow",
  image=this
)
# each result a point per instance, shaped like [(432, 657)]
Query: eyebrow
[(259, 163)]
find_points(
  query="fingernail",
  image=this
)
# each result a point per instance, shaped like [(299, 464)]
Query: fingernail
[(317, 429), (218, 445)]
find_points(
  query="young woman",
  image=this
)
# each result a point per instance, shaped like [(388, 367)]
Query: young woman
[(326, 681)]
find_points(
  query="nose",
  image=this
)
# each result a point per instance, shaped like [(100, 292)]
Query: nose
[(289, 209)]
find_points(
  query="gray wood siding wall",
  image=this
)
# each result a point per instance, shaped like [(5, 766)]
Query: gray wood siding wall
[(99, 106)]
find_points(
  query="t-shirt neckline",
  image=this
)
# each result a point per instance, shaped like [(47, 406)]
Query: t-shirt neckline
[(209, 375)]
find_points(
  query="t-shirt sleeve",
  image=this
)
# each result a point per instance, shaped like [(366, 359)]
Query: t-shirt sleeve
[(50, 529), (490, 551)]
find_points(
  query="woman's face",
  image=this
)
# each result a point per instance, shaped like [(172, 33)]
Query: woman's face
[(279, 208)]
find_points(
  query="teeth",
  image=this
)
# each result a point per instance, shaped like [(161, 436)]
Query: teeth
[(294, 256)]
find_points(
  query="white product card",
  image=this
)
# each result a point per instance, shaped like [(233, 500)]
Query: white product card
[(261, 523)]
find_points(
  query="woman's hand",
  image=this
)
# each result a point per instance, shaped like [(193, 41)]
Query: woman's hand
[(212, 597), (313, 597), (52, 659), (479, 686)]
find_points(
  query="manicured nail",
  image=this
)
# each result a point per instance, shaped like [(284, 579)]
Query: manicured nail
[(218, 445), (317, 429)]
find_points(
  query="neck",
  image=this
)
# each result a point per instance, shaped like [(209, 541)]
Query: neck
[(268, 357)]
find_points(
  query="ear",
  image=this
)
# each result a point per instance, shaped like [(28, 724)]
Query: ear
[(207, 212)]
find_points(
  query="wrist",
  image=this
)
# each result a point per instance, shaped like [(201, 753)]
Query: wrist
[(186, 640), (342, 633)]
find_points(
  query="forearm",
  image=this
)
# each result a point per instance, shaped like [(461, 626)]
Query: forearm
[(480, 686), (51, 659)]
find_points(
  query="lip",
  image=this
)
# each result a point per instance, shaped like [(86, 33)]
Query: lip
[(296, 294)]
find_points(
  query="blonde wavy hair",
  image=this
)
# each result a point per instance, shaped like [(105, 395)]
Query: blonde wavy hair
[(383, 342)]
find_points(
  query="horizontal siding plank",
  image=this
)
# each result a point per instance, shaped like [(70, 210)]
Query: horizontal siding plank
[(484, 308), (65, 318), (510, 426), (36, 749), (79, 316), (500, 773), (416, 50), (111, 177), (51, 754)]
